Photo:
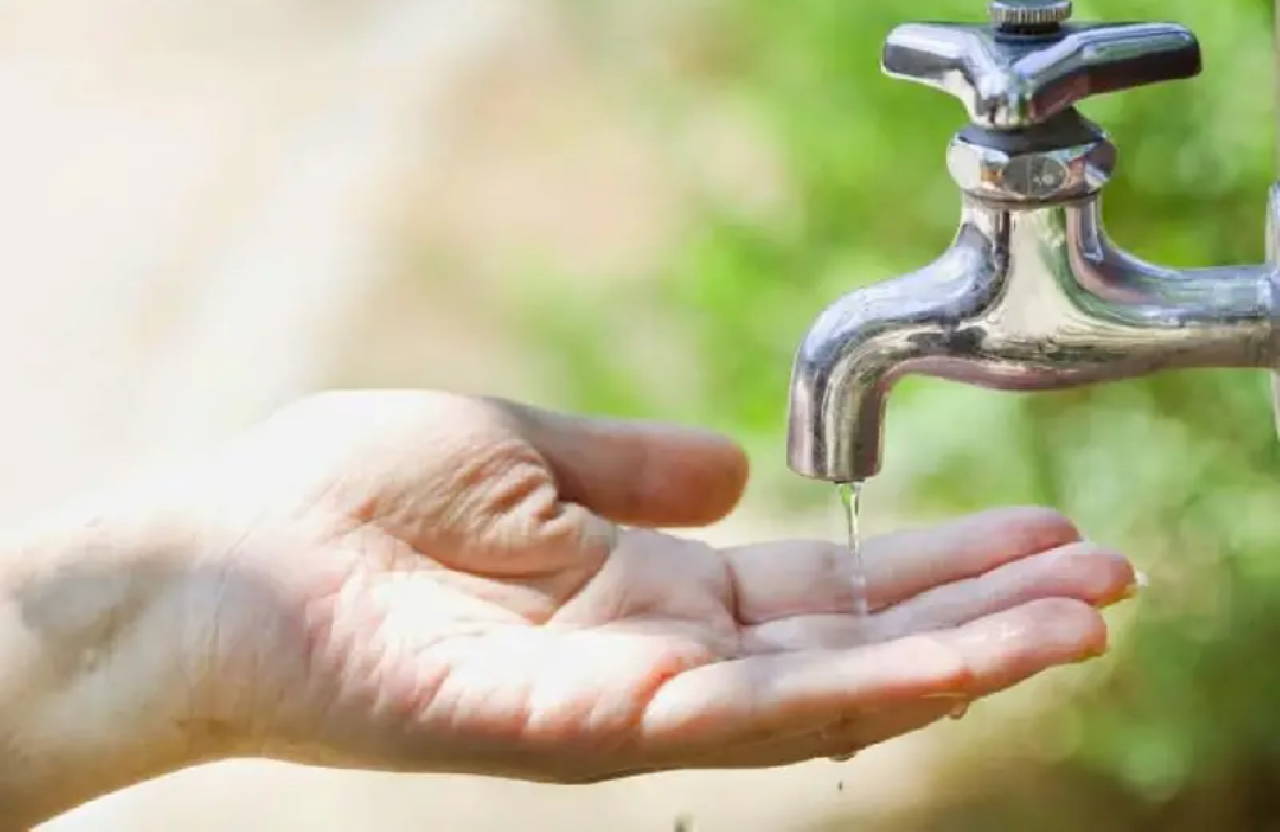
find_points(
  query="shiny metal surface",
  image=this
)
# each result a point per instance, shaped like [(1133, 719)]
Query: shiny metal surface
[(1031, 295), (1004, 85), (1059, 175), (1033, 299)]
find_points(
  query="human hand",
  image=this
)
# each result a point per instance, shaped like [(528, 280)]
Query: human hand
[(426, 582), (448, 591)]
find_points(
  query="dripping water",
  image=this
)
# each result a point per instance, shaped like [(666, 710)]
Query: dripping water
[(851, 500)]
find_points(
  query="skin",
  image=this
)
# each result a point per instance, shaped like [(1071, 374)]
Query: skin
[(422, 582)]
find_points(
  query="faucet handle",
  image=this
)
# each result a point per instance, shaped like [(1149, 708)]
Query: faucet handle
[(1028, 64)]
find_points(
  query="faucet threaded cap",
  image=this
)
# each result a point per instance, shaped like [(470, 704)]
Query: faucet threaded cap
[(1029, 12)]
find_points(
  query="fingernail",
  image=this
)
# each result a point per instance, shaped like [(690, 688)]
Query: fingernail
[(1140, 582)]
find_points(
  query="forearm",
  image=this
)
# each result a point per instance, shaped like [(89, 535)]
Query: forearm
[(88, 702)]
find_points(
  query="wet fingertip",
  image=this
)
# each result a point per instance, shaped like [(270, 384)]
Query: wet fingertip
[(1097, 649), (1076, 628), (1092, 656), (1099, 641), (1140, 582)]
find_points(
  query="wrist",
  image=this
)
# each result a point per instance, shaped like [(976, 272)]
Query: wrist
[(93, 689)]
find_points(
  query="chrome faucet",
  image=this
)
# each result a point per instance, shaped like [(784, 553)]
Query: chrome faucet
[(1031, 295)]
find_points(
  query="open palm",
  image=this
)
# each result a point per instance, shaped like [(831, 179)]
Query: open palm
[(423, 582)]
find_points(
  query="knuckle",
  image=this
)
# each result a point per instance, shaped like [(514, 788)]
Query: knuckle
[(1052, 614)]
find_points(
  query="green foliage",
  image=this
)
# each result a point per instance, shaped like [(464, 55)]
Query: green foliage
[(1181, 469)]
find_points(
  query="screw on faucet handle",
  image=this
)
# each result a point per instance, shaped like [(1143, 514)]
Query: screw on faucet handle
[(1028, 12), (1029, 65)]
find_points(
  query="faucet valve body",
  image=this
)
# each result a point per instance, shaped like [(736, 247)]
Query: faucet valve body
[(1031, 295), (1020, 79)]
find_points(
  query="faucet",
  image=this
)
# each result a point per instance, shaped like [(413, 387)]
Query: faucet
[(1031, 295)]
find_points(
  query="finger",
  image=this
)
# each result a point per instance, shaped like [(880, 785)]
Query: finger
[(747, 698), (779, 580), (638, 473), (846, 738), (907, 563), (1083, 571)]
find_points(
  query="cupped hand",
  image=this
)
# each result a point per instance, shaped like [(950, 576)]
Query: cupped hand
[(426, 582)]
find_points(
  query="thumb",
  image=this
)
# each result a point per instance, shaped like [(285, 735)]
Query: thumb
[(637, 473)]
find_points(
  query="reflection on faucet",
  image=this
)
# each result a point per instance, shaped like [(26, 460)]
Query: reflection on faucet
[(1031, 295)]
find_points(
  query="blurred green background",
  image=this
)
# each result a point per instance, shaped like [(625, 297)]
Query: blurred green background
[(637, 207), (1183, 727)]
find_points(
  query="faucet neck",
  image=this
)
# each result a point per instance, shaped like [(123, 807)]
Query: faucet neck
[(1053, 267), (1061, 160)]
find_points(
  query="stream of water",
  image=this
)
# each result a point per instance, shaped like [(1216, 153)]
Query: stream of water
[(851, 500)]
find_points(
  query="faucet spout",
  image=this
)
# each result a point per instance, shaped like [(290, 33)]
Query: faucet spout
[(860, 345), (1026, 298)]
